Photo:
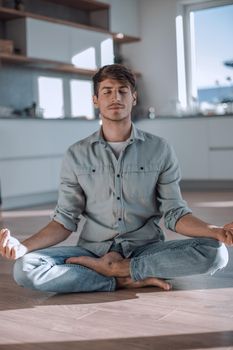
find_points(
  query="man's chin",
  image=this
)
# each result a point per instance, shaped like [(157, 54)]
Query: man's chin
[(115, 118)]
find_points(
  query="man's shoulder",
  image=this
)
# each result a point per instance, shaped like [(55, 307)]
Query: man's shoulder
[(152, 138), (83, 143)]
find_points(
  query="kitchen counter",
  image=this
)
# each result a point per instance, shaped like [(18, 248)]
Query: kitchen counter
[(31, 151)]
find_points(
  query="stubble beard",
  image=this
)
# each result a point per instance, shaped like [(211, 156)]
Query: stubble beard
[(116, 118)]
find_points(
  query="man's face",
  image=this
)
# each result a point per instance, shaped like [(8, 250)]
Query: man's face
[(115, 100)]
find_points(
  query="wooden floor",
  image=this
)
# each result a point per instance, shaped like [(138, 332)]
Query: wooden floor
[(197, 314)]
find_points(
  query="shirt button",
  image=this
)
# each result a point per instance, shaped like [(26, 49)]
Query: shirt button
[(120, 219), (118, 175), (93, 170), (118, 198), (141, 168)]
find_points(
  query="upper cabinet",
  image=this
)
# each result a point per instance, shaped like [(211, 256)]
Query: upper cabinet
[(44, 40), (60, 34), (89, 13)]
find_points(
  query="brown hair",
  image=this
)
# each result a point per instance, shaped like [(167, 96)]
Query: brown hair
[(114, 71)]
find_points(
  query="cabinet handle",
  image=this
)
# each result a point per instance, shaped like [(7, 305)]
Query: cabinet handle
[(221, 148), (32, 157)]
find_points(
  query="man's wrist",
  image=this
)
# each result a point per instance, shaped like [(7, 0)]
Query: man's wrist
[(215, 231), (26, 246)]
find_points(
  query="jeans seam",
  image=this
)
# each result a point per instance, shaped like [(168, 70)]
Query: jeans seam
[(132, 274), (112, 287)]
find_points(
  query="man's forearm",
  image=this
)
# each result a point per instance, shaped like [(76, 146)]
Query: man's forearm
[(50, 235), (192, 226)]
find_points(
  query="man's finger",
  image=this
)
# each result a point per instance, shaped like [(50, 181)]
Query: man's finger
[(229, 238), (228, 226), (4, 233), (73, 260), (13, 253), (5, 239), (4, 243), (8, 250)]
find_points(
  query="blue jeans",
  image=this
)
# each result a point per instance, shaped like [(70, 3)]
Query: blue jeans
[(46, 269)]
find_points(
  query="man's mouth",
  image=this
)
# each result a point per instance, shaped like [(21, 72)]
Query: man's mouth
[(116, 107)]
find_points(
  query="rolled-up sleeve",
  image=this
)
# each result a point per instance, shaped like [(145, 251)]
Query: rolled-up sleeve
[(171, 203), (71, 198)]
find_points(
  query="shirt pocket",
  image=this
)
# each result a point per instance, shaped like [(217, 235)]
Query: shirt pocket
[(140, 181), (95, 182)]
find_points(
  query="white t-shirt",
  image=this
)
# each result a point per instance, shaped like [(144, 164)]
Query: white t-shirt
[(117, 147)]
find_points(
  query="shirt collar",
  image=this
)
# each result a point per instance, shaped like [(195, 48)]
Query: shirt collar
[(136, 134)]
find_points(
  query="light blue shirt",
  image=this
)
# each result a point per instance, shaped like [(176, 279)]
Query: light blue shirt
[(122, 200)]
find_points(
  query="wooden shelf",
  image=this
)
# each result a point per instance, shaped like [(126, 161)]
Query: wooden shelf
[(44, 64), (50, 65), (85, 5), (8, 14), (124, 39)]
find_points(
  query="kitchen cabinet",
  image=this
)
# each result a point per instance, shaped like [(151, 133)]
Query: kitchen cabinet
[(31, 151), (40, 39), (189, 139), (204, 146), (220, 149)]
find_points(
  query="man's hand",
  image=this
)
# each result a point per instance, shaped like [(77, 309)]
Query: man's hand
[(228, 227), (10, 247), (224, 234)]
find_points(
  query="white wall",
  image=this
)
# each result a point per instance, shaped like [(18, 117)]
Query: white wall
[(155, 55)]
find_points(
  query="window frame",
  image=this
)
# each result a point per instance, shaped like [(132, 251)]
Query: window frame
[(184, 9)]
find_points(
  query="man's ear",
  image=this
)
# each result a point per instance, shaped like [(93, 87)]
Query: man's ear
[(95, 101)]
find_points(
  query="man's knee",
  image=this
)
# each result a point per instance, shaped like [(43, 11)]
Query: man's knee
[(217, 256), (22, 268), (222, 257)]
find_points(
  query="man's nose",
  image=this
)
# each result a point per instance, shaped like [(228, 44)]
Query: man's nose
[(116, 96)]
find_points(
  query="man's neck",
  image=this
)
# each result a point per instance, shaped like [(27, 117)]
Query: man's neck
[(116, 131)]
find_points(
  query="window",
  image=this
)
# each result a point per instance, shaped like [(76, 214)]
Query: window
[(78, 102), (81, 99), (50, 93), (205, 55)]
